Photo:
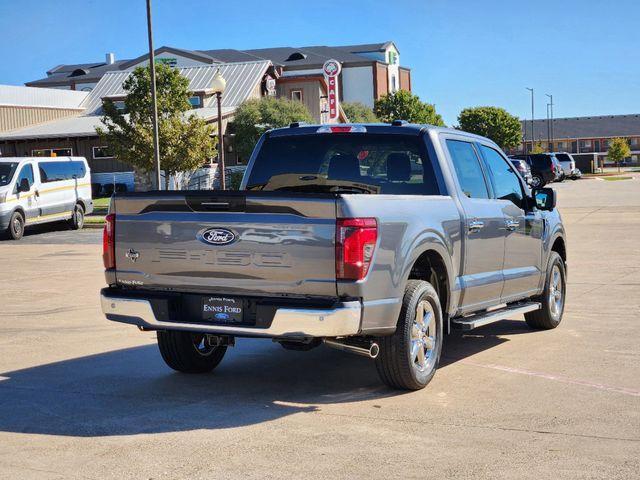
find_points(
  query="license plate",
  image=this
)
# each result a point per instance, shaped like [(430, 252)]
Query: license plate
[(222, 309)]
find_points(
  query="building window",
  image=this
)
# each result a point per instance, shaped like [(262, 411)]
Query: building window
[(634, 142), (52, 152), (393, 57), (195, 101), (296, 95), (119, 104), (394, 86), (102, 152), (562, 145)]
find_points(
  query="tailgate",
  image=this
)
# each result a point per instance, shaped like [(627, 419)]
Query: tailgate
[(227, 242)]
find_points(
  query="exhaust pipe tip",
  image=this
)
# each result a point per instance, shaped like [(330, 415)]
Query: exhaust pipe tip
[(374, 350)]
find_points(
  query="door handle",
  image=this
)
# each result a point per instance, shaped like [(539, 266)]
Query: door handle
[(512, 224), (475, 225)]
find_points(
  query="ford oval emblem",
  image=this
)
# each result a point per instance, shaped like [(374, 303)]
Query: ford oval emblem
[(216, 236)]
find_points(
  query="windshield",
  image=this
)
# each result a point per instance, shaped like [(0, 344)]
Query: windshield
[(344, 163), (6, 172), (563, 157)]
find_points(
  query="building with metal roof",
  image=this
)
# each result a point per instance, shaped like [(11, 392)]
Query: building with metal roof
[(23, 106)]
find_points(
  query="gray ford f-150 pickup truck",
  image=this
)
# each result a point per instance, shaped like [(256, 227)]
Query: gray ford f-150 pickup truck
[(375, 239)]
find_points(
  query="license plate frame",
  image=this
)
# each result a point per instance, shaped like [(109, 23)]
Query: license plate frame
[(222, 309)]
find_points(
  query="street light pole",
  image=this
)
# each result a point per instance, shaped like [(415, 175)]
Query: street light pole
[(533, 135), (218, 84), (551, 123), (223, 181), (156, 140), (548, 131)]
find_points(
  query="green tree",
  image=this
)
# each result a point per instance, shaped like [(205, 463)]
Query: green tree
[(618, 150), (403, 105), (538, 148), (185, 140), (494, 123), (256, 116), (357, 112)]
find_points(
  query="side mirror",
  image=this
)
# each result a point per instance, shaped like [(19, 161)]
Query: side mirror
[(545, 198), (24, 186)]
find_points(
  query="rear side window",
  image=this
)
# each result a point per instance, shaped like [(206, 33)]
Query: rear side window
[(563, 157), (468, 169), (344, 163), (506, 184), (59, 171)]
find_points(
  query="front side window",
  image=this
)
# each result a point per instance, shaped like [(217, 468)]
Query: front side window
[(506, 184), (468, 170), (26, 172), (344, 163)]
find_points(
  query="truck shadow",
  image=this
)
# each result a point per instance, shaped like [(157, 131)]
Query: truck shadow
[(131, 391)]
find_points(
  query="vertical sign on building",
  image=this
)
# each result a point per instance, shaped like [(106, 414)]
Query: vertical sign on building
[(331, 69)]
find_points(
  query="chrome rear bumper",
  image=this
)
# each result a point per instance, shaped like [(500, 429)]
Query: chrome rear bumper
[(287, 322)]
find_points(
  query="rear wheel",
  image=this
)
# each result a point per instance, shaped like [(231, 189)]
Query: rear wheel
[(77, 220), (408, 359), (552, 298), (15, 230), (189, 352), (537, 181)]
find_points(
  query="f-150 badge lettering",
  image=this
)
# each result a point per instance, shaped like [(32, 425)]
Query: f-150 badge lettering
[(216, 236)]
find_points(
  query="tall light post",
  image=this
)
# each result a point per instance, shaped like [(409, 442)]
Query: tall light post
[(548, 131), (532, 117), (154, 119), (551, 117), (218, 85)]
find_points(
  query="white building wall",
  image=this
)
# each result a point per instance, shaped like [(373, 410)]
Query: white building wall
[(393, 70), (357, 85)]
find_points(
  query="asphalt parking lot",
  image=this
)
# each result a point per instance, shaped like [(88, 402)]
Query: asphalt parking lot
[(81, 397)]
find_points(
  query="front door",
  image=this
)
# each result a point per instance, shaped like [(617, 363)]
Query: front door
[(523, 228), (484, 229), (28, 200)]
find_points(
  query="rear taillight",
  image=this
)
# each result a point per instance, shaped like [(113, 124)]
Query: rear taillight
[(355, 243), (109, 242)]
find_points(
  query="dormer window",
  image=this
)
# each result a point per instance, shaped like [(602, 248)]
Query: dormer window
[(195, 101), (296, 56), (78, 72)]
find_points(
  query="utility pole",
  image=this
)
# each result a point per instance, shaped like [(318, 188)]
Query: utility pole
[(152, 64), (551, 109), (548, 131), (532, 118)]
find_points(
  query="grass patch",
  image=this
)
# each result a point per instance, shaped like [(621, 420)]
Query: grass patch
[(97, 219), (101, 206), (615, 179)]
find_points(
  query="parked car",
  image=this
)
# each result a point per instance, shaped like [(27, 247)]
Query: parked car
[(336, 238), (37, 190), (568, 165), (544, 169), (557, 168), (523, 168)]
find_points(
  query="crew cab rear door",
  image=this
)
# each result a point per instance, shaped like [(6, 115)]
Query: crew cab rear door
[(227, 242), (483, 227)]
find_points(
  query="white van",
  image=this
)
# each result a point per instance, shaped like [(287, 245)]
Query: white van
[(38, 190)]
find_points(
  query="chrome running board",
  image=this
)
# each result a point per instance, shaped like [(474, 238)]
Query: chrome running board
[(479, 319)]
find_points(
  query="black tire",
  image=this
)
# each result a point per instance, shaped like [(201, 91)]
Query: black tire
[(396, 365), (550, 315), (15, 230), (180, 351), (77, 220), (537, 181)]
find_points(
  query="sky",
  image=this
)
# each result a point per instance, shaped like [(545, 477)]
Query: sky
[(461, 53)]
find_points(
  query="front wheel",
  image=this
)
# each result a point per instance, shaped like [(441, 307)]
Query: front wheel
[(189, 352), (553, 297), (15, 230), (408, 359)]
